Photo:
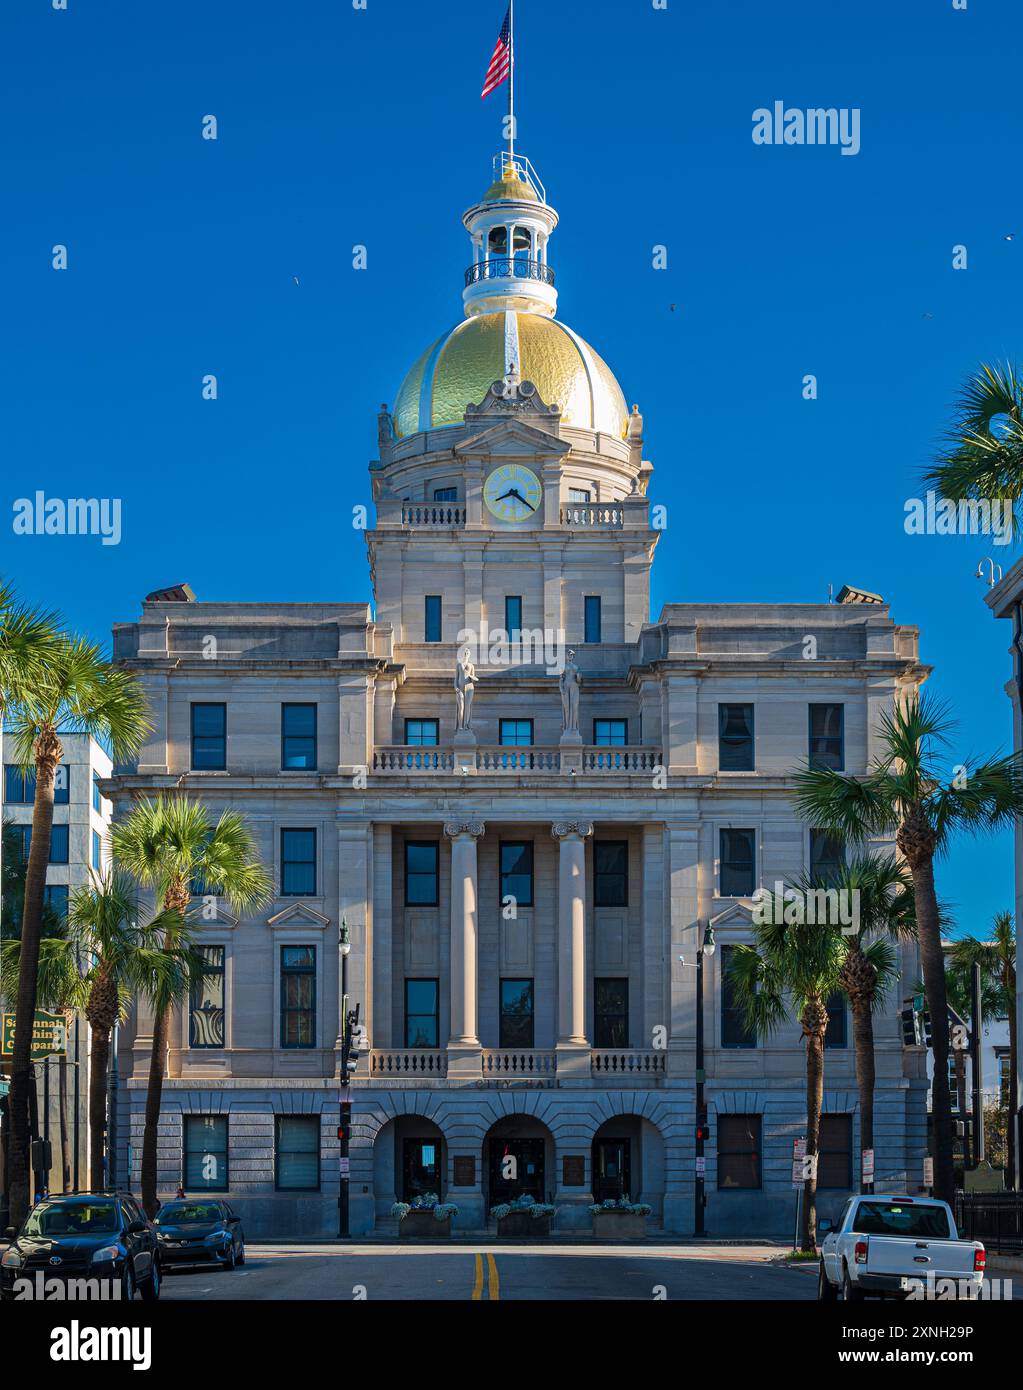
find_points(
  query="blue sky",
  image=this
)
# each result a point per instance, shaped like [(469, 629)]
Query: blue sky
[(340, 127)]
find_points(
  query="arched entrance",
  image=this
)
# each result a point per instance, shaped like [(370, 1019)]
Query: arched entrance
[(409, 1159), (518, 1158), (628, 1161)]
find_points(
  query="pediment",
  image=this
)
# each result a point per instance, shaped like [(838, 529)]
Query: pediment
[(512, 438), (202, 917), (737, 914), (299, 915)]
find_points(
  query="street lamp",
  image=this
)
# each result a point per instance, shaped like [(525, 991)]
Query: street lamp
[(706, 946), (344, 943)]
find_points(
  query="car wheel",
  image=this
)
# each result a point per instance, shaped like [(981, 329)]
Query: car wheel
[(230, 1262), (850, 1293), (826, 1291), (151, 1288), (241, 1253), (128, 1283)]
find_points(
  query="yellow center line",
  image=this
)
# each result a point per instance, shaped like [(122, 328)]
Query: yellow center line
[(495, 1283), (477, 1286)]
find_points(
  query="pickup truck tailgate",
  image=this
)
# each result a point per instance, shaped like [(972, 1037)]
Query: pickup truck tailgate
[(903, 1255)]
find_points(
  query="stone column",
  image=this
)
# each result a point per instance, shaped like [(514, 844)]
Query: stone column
[(573, 1047), (463, 1042)]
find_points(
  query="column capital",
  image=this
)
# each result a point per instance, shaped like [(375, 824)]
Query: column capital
[(563, 829), (475, 828)]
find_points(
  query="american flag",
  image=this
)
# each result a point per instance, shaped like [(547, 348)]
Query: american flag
[(500, 63)]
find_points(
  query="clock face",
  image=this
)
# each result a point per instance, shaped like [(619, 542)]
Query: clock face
[(512, 492)]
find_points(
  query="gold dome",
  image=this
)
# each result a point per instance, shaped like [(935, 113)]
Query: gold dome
[(509, 185), (459, 368)]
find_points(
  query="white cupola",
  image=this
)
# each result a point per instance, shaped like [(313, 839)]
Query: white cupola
[(509, 230)]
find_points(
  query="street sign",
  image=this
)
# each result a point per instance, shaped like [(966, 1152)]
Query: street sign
[(928, 1172), (49, 1035), (868, 1165), (344, 1166), (701, 1164), (798, 1156)]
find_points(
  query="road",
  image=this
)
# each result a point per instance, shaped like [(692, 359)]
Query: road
[(490, 1272)]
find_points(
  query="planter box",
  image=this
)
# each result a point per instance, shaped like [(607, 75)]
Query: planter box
[(423, 1225), (618, 1225), (519, 1225)]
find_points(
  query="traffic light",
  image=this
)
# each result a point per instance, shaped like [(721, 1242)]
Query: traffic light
[(910, 1026), (703, 1133), (925, 1027)]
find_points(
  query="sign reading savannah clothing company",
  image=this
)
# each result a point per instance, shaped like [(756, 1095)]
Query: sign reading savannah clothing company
[(49, 1035)]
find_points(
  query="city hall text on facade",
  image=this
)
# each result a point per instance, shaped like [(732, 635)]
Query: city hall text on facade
[(526, 840)]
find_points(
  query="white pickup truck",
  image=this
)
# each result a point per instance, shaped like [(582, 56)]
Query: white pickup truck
[(897, 1247)]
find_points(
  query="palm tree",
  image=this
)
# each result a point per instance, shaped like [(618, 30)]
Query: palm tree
[(76, 691), (171, 846), (797, 965), (997, 960), (982, 456), (906, 793)]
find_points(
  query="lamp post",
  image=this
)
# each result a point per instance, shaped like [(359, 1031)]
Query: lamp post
[(705, 946), (349, 1021)]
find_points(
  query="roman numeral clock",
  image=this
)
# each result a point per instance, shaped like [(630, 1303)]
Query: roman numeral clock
[(512, 493)]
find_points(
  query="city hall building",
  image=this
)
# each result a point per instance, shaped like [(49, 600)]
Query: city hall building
[(527, 798)]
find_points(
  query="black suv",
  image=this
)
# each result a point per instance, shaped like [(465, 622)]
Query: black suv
[(99, 1236)]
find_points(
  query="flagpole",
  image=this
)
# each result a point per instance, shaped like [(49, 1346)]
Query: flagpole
[(511, 79)]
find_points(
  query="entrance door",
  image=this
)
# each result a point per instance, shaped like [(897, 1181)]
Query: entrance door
[(421, 1168), (516, 1166), (611, 1168)]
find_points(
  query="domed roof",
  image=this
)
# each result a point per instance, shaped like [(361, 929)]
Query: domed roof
[(460, 367), (509, 186)]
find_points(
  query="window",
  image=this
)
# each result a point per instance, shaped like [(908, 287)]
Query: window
[(578, 494), (734, 1030), (516, 733), (432, 621), (827, 736), (422, 1013), (206, 1000), (827, 856), (837, 1034), (516, 1013), (422, 733), (513, 617), (738, 1151), (610, 873), (517, 872), (298, 863), (61, 785), (97, 796), (611, 733), (1004, 1077), (205, 1153), (738, 863), (735, 738), (55, 896), (421, 876), (298, 737), (591, 618), (298, 996), (610, 1013), (209, 738), (834, 1151), (59, 844), (20, 785), (445, 494), (97, 852), (297, 1153)]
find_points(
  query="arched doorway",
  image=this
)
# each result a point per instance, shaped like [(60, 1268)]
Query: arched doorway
[(518, 1158), (409, 1159), (628, 1161)]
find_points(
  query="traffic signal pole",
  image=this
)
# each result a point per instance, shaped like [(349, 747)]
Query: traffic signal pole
[(701, 1102), (976, 1057)]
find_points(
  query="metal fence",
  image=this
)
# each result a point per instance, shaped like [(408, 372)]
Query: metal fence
[(996, 1218)]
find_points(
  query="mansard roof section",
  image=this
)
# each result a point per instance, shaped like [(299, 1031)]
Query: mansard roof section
[(797, 632), (249, 632)]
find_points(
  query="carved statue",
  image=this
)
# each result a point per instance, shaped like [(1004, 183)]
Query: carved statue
[(465, 679), (569, 683)]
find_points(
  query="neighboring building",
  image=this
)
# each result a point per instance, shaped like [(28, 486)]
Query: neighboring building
[(994, 1062), (81, 819), (523, 862)]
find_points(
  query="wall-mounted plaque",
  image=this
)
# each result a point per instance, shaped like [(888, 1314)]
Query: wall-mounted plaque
[(573, 1170), (465, 1170)]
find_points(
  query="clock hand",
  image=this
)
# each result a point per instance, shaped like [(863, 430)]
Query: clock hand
[(514, 492)]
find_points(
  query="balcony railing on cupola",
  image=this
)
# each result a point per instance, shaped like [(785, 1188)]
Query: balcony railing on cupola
[(509, 267)]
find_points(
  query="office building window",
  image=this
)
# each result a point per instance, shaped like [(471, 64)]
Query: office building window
[(610, 873), (298, 996), (611, 733), (738, 864), (827, 736), (209, 738), (298, 863), (432, 618), (97, 795), (97, 852), (517, 872), (206, 1000), (513, 616), (55, 896), (734, 1029), (837, 1034), (735, 738), (421, 876), (827, 856), (298, 737), (61, 785), (59, 844), (516, 1013), (422, 1013), (738, 1151), (297, 1153), (610, 1013), (591, 618), (516, 733), (205, 1166), (422, 733), (834, 1152), (20, 785)]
